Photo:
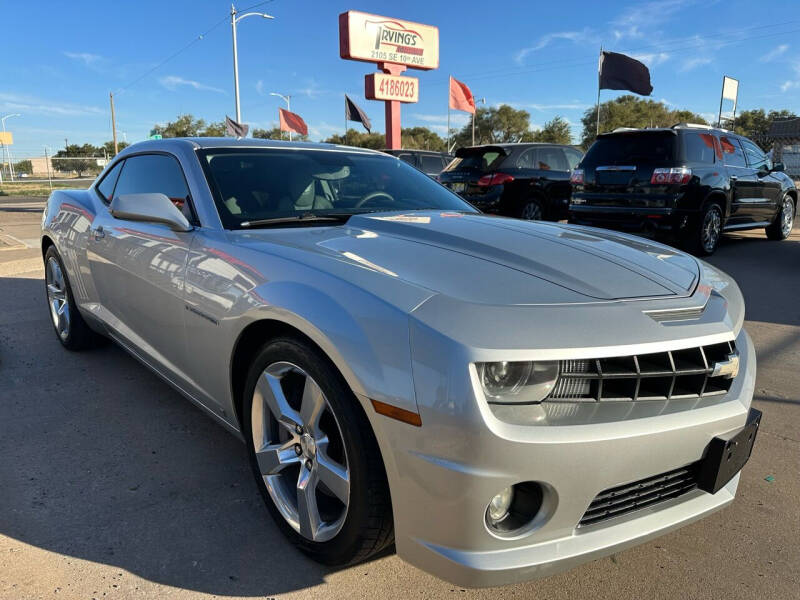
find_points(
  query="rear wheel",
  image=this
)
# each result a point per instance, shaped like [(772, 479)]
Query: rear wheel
[(781, 227), (704, 237), (314, 457), (71, 329), (531, 211)]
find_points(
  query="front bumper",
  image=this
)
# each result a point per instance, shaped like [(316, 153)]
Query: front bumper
[(443, 475)]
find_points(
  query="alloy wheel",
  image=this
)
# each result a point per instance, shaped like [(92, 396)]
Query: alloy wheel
[(712, 225), (787, 216), (532, 211), (57, 297), (300, 451)]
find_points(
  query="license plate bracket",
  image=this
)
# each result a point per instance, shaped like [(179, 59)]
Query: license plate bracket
[(727, 454)]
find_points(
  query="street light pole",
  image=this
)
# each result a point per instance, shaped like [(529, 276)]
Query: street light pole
[(6, 148), (234, 21), (288, 100)]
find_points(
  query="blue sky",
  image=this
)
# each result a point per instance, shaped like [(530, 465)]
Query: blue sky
[(61, 59)]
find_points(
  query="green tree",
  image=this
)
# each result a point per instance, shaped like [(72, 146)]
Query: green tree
[(755, 124), (631, 111), (376, 141), (555, 131), (109, 147), (188, 126), (422, 138), (495, 125), (77, 159), (23, 166), (276, 134)]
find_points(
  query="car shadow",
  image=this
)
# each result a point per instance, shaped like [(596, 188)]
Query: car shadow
[(104, 462), (767, 272)]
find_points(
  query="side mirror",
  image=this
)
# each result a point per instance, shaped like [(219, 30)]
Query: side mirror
[(778, 167), (149, 208)]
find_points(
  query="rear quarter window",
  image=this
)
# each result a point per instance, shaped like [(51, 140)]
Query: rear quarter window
[(699, 147), (732, 152)]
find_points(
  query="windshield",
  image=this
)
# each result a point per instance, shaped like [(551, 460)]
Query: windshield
[(480, 159), (631, 149), (257, 184)]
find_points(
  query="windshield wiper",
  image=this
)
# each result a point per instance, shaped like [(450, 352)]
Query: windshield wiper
[(304, 218)]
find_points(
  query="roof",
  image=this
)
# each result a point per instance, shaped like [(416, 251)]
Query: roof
[(415, 151), (229, 142), (785, 128)]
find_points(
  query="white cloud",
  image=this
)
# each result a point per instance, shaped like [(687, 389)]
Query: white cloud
[(788, 85), (692, 63), (173, 82), (28, 104), (564, 106), (86, 58), (260, 87), (628, 24), (573, 36), (456, 118), (775, 53), (653, 59)]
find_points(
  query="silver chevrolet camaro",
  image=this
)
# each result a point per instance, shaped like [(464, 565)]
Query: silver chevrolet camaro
[(500, 399)]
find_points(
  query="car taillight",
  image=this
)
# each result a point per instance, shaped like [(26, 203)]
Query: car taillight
[(495, 179), (577, 176), (670, 176)]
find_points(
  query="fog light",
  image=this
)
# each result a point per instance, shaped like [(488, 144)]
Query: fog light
[(500, 504)]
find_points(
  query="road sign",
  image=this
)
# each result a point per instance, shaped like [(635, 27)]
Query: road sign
[(6, 138), (380, 86)]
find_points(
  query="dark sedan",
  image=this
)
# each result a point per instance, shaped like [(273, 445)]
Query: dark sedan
[(529, 181)]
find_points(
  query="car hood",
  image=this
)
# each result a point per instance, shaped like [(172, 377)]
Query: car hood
[(493, 260)]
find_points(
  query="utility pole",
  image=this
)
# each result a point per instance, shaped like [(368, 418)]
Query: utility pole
[(234, 21), (113, 123), (47, 164)]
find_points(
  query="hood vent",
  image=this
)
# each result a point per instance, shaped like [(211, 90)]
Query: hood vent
[(680, 314)]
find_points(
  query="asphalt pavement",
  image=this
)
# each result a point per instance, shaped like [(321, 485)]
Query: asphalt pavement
[(114, 486)]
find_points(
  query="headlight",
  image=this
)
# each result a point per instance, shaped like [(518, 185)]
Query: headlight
[(517, 382)]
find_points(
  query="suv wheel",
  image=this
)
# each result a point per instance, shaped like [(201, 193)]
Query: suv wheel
[(532, 211), (784, 221), (705, 236)]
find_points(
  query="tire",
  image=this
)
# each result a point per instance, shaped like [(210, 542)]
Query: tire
[(71, 330), (781, 227), (531, 211), (704, 236), (353, 520)]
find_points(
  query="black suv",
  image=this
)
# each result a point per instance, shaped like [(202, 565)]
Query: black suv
[(530, 181), (690, 181), (429, 162)]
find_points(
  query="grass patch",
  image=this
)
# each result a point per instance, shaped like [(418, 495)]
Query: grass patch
[(40, 188)]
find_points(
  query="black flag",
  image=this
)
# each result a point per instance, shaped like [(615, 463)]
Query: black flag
[(620, 72), (352, 112), (234, 129)]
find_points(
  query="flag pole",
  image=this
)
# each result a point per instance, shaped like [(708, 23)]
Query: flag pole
[(344, 139), (597, 133)]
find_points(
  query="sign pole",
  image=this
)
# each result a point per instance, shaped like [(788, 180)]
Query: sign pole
[(113, 123), (393, 130), (599, 67), (721, 98)]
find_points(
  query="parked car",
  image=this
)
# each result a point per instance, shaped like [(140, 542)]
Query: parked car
[(502, 399), (429, 162), (691, 182), (528, 181)]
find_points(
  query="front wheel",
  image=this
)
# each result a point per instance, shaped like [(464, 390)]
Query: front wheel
[(704, 237), (315, 459), (781, 227)]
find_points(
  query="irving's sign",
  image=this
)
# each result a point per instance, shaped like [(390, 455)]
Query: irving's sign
[(371, 38)]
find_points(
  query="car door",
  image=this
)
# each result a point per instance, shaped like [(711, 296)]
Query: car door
[(745, 187), (139, 268), (548, 172), (769, 187)]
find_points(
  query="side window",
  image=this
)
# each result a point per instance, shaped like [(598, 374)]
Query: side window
[(149, 173), (698, 147), (106, 187), (527, 160), (550, 159), (408, 158), (431, 164), (573, 157), (755, 157), (732, 152)]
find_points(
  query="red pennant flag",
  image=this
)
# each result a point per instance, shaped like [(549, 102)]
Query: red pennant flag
[(461, 97), (292, 122)]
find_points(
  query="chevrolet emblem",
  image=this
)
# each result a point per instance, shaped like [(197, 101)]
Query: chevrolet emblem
[(728, 368)]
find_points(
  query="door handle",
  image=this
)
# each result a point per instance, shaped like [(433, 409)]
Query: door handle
[(98, 232)]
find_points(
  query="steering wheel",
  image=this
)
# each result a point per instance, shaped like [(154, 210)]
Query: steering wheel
[(371, 196)]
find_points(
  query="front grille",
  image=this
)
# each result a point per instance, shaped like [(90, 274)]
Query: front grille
[(624, 499), (678, 374)]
